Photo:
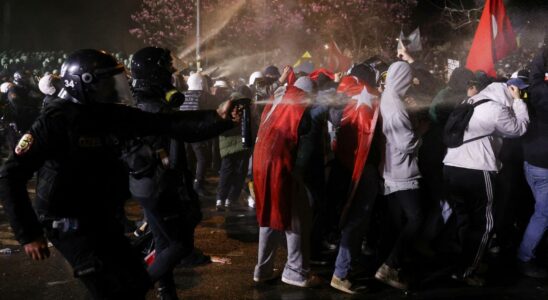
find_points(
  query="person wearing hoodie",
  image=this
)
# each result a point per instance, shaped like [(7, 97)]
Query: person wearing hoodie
[(535, 151), (281, 159), (357, 160), (471, 170), (198, 98), (400, 171), (273, 78)]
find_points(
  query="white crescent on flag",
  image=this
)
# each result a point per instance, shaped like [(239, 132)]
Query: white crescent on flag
[(494, 26)]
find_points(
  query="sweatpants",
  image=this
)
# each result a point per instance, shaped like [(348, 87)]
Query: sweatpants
[(470, 194), (405, 217), (297, 267)]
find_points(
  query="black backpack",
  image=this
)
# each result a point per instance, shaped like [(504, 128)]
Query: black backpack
[(453, 133)]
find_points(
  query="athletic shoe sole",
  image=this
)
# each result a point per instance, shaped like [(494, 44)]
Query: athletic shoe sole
[(392, 283), (305, 284)]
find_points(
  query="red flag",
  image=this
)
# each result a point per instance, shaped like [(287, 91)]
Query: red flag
[(354, 138), (316, 73), (336, 60), (291, 78), (274, 158), (350, 86), (494, 39)]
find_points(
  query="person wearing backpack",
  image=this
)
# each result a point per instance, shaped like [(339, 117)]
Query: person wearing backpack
[(472, 163)]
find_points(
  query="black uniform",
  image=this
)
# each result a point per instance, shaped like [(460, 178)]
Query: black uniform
[(76, 150), (162, 183), (23, 107)]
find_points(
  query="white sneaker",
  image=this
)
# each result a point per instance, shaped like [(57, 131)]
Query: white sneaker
[(227, 203), (311, 281), (219, 204), (276, 273), (250, 202)]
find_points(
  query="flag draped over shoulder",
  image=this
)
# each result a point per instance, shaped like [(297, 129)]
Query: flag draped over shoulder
[(494, 39), (316, 73), (274, 158), (355, 135)]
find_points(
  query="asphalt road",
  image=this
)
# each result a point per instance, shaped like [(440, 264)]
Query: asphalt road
[(233, 234)]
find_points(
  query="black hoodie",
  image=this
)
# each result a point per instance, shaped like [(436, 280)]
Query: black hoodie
[(535, 143)]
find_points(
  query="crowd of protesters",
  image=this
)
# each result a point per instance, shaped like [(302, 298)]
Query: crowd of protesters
[(361, 162)]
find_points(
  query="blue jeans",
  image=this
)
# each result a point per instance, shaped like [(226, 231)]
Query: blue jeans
[(357, 221), (538, 181)]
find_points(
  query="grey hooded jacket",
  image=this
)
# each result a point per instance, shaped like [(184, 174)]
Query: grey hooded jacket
[(501, 117), (400, 169)]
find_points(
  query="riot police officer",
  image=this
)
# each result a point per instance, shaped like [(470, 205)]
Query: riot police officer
[(160, 179), (23, 107), (75, 145)]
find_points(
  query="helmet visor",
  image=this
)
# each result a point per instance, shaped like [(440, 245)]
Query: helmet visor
[(114, 89), (123, 91)]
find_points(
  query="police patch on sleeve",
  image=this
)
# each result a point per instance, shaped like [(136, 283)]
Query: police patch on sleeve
[(24, 144)]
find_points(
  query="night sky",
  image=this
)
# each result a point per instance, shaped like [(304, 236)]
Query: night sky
[(69, 25)]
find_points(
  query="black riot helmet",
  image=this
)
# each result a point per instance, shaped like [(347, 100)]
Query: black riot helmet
[(20, 78), (152, 63), (380, 67), (151, 70), (94, 76), (365, 73)]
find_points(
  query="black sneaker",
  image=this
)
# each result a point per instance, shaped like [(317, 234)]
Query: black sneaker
[(471, 280), (392, 277), (165, 293), (531, 269)]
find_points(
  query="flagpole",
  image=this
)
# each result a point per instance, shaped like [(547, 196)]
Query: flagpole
[(198, 64)]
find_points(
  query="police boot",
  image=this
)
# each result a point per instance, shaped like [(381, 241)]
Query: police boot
[(167, 293)]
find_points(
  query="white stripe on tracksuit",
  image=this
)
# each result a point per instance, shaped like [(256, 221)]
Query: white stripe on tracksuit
[(488, 224)]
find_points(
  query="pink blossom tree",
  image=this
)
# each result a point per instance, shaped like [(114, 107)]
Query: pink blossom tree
[(170, 23), (163, 23), (364, 27)]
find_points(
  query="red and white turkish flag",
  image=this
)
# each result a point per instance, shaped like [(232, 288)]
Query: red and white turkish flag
[(494, 39), (336, 60)]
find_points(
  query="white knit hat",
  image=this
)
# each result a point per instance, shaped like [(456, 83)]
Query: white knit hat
[(254, 76), (220, 83), (305, 83), (195, 82)]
